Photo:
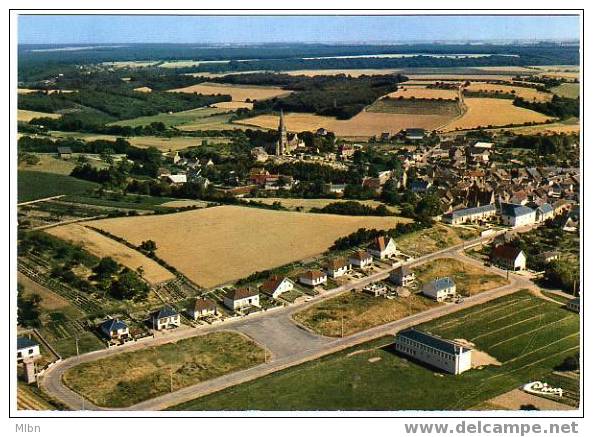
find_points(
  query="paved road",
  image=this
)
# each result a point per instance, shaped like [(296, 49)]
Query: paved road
[(287, 343)]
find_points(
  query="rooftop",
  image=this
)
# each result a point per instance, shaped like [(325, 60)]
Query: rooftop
[(433, 341)]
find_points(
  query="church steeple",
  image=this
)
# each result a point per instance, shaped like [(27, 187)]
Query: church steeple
[(283, 136)]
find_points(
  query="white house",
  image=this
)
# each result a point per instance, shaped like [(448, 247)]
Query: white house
[(516, 215), (375, 289), (437, 352), (26, 348), (165, 318), (544, 212), (361, 259), (440, 288), (383, 247), (509, 257), (276, 285), (459, 216), (402, 276), (338, 267), (202, 307), (241, 298), (313, 278), (114, 329)]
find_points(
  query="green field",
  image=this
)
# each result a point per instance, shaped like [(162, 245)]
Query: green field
[(416, 107), (34, 185), (176, 119), (538, 335), (126, 379), (570, 90)]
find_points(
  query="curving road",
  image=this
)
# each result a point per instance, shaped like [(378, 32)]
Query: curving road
[(287, 343)]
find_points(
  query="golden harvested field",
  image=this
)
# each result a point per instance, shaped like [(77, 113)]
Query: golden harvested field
[(359, 312), (27, 116), (161, 143), (456, 77), (362, 125), (28, 91), (50, 164), (420, 92), (523, 92), (353, 73), (102, 246), (233, 105), (469, 278), (494, 112), (184, 203), (143, 89), (218, 245), (239, 93), (568, 127)]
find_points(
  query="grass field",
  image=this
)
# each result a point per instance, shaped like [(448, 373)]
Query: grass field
[(468, 278), (27, 116), (216, 245), (538, 336), (529, 94), (29, 397), (172, 120), (102, 246), (129, 378), (433, 239), (34, 185), (50, 164), (486, 112), (238, 93), (570, 90), (359, 311), (447, 109), (421, 92), (362, 125)]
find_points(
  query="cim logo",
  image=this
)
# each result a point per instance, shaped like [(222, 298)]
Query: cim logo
[(542, 388)]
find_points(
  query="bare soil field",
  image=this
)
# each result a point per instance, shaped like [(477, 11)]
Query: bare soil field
[(239, 93), (364, 124), (27, 116), (530, 94), (217, 245), (102, 246), (515, 399), (421, 92), (494, 112)]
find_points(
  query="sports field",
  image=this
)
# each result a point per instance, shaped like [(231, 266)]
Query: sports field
[(217, 245), (529, 336), (484, 112), (103, 246), (126, 379)]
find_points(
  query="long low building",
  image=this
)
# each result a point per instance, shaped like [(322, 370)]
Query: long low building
[(484, 212), (446, 355)]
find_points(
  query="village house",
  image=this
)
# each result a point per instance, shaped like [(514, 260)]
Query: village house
[(313, 278), (516, 215), (201, 307), (174, 179), (440, 289), (276, 285), (376, 289), (240, 298), (26, 348), (114, 329), (383, 247), (509, 257), (331, 188), (548, 256), (446, 355), (165, 318), (544, 212), (64, 152), (415, 134), (402, 276), (361, 259), (338, 267), (479, 213)]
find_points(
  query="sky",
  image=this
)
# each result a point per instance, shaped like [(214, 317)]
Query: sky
[(85, 29)]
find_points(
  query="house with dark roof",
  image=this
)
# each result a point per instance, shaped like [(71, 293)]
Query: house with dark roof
[(240, 298), (516, 215), (459, 216), (440, 289), (574, 305), (313, 278), (402, 276), (202, 307), (276, 285), (509, 257), (447, 355), (544, 212), (415, 134), (361, 259), (383, 247), (26, 348), (338, 267), (114, 329), (64, 152), (165, 318)]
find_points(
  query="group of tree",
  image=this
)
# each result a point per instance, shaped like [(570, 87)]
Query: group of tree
[(560, 107), (28, 309), (353, 208)]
